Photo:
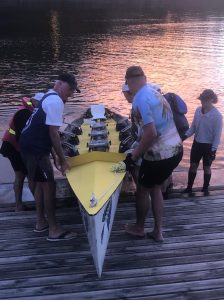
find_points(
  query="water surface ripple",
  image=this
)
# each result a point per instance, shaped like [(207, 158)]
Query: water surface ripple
[(180, 49)]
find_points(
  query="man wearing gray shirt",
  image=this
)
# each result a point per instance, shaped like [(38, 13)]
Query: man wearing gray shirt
[(207, 129)]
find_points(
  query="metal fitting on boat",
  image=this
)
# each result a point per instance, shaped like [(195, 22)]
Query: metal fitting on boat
[(99, 145), (69, 150), (122, 124), (99, 126), (98, 134)]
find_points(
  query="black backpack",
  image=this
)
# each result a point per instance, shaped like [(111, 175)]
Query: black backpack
[(179, 109)]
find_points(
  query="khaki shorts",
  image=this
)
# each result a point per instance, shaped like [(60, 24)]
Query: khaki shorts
[(39, 168)]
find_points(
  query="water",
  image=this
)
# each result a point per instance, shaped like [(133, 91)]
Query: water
[(179, 45)]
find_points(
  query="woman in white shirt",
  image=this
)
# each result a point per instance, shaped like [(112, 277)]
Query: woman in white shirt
[(207, 129)]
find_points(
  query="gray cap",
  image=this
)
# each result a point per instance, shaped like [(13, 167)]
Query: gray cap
[(208, 95)]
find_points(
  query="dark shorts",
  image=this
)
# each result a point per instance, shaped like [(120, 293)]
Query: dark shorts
[(201, 151), (39, 168), (7, 150), (153, 173)]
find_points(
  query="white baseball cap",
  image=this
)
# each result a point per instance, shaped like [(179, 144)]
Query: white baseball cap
[(125, 88), (156, 87), (38, 96)]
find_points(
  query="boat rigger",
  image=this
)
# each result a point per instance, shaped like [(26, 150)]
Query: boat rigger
[(93, 181)]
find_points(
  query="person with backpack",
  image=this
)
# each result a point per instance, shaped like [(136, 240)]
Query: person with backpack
[(179, 109), (159, 145), (10, 146), (136, 130), (206, 128)]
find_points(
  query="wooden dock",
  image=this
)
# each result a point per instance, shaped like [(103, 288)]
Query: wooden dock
[(188, 265)]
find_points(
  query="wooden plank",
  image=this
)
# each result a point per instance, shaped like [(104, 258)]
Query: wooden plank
[(166, 249), (189, 265), (212, 294), (138, 260), (125, 279), (134, 291)]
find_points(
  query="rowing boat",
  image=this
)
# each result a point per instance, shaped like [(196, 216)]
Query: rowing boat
[(96, 187)]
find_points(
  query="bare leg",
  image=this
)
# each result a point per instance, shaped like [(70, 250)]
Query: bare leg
[(164, 188), (157, 210), (41, 220), (134, 174), (142, 208), (18, 190), (48, 189), (55, 229), (142, 205), (32, 186)]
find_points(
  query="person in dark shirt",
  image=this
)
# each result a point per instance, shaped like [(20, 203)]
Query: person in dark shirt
[(10, 146), (39, 137)]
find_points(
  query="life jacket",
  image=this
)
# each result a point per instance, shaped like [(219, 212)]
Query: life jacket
[(10, 134), (35, 138)]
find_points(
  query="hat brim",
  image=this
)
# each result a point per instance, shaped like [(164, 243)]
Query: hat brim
[(207, 98), (130, 76), (74, 88)]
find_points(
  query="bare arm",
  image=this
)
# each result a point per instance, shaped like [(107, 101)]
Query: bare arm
[(148, 138), (56, 143), (56, 159)]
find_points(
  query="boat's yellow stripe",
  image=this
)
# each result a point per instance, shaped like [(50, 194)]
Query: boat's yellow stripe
[(95, 156), (91, 173)]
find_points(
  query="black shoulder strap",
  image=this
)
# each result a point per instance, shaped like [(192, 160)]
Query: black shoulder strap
[(47, 95)]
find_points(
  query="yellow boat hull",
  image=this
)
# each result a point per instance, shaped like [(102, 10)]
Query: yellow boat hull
[(91, 174), (96, 187)]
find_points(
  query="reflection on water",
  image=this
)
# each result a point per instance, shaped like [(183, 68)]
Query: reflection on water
[(55, 36), (179, 45)]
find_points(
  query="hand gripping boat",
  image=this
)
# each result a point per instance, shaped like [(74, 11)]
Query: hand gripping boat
[(93, 182)]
